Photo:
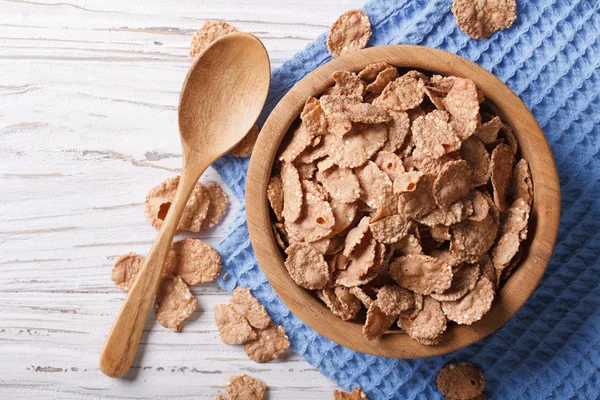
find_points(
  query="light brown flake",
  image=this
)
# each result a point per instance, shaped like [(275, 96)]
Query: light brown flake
[(501, 170), (356, 394), (377, 322), (306, 171), (471, 239), (522, 182), (344, 215), (313, 119), (275, 196), (217, 206), (475, 154), (391, 229), (440, 233), (271, 343), (349, 33), (421, 273), (173, 303), (244, 148), (480, 18), (233, 327), (245, 304), (517, 218), (505, 250), (357, 147), (473, 306), (488, 131), (453, 183), (460, 381), (389, 163), (194, 261), (383, 79), (306, 266), (362, 294), (372, 182), (458, 211), (341, 183), (404, 93), (509, 137), (160, 198), (487, 268), (463, 105), (398, 130), (281, 236), (433, 135), (317, 220), (347, 84), (431, 165), (428, 324), (419, 201), (244, 387), (313, 191), (463, 281), (356, 235), (292, 192), (393, 300), (363, 265), (208, 33), (413, 312), (340, 301), (125, 270), (409, 244), (352, 109), (301, 141)]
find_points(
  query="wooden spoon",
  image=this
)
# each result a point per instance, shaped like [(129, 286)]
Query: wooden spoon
[(222, 96)]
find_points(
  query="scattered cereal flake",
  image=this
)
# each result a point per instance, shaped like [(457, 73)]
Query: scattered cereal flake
[(217, 206), (246, 145), (522, 182), (377, 322), (383, 79), (463, 281), (421, 273), (271, 343), (390, 229), (473, 306), (488, 131), (245, 304), (362, 266), (402, 94), (233, 327), (306, 266), (453, 183), (460, 381), (275, 196), (347, 84), (427, 325), (501, 170), (281, 236), (471, 239), (341, 183), (349, 33), (389, 163), (316, 222), (292, 192), (356, 394), (173, 303), (357, 147), (301, 141), (361, 293), (509, 137), (306, 171), (463, 105), (356, 235), (433, 135), (244, 387), (398, 130), (126, 269), (208, 33), (351, 108), (372, 181), (344, 215), (409, 244), (159, 199), (393, 300), (480, 18), (194, 261), (419, 201), (475, 154), (340, 301)]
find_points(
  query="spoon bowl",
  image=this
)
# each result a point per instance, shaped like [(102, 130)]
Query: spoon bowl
[(222, 96)]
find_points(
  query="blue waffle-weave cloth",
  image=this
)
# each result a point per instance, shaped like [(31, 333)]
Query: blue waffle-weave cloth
[(550, 349)]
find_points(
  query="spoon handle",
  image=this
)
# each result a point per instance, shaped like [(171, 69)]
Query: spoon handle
[(122, 341)]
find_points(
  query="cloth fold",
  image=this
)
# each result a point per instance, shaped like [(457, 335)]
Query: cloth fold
[(550, 57)]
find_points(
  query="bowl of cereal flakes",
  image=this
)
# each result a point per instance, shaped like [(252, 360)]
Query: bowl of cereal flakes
[(402, 201)]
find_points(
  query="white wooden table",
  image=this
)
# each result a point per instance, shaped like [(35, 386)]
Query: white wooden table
[(88, 97)]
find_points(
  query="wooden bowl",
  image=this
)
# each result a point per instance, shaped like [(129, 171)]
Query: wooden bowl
[(544, 217)]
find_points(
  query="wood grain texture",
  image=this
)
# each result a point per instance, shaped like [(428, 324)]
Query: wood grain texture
[(88, 124), (545, 215)]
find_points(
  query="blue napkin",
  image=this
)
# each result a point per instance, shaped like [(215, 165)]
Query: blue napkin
[(550, 349)]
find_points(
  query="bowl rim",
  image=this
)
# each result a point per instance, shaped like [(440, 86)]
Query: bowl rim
[(544, 220)]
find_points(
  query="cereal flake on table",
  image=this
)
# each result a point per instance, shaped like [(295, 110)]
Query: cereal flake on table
[(480, 18), (412, 204), (208, 33), (461, 380), (356, 394), (349, 33), (243, 387)]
